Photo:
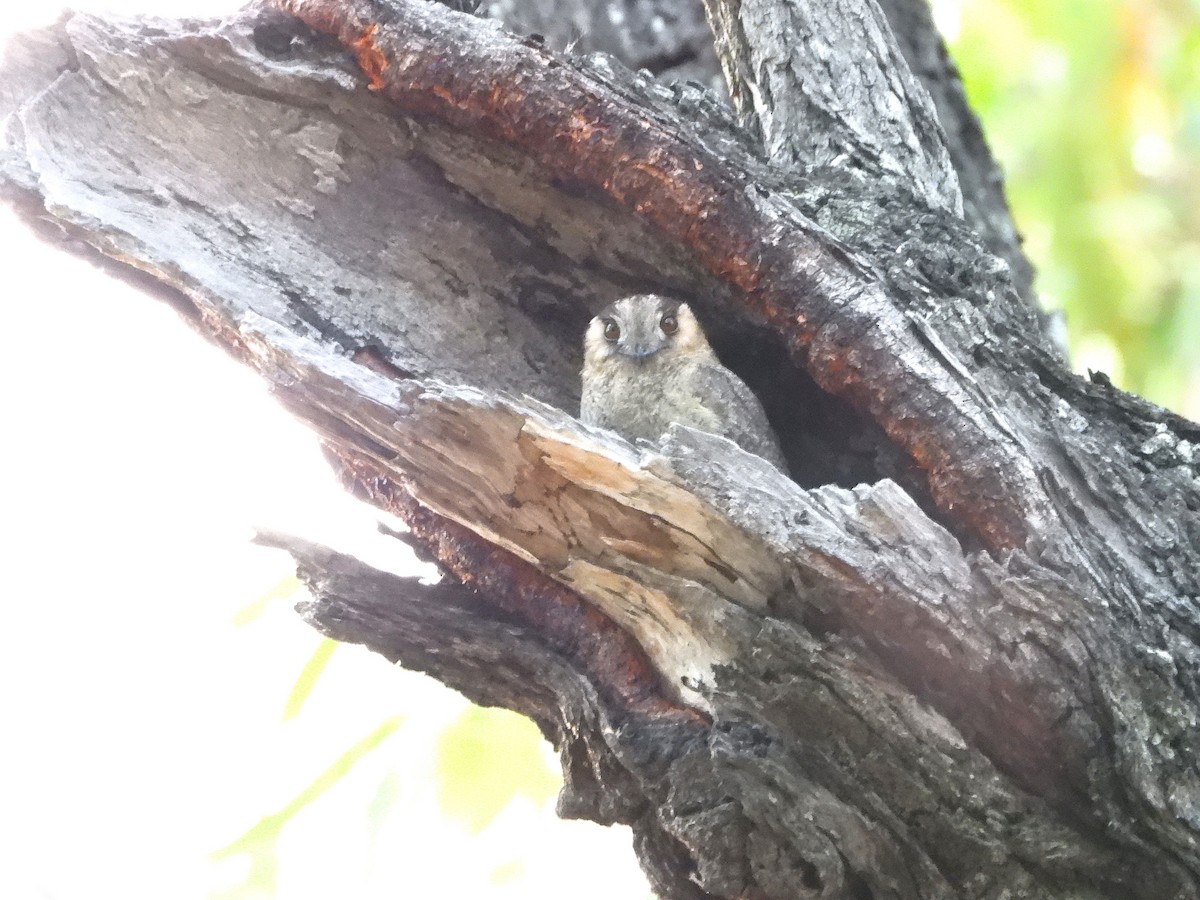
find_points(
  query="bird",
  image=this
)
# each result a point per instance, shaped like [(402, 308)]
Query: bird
[(647, 364)]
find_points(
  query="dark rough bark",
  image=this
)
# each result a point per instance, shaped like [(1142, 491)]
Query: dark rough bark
[(672, 40), (956, 656), (825, 85), (985, 208), (668, 37)]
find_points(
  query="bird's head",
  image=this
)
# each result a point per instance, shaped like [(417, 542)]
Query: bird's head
[(642, 328)]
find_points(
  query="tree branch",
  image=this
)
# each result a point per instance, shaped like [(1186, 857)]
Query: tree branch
[(824, 84), (668, 37), (673, 41), (985, 207), (984, 682)]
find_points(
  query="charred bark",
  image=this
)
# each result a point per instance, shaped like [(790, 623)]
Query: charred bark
[(955, 655)]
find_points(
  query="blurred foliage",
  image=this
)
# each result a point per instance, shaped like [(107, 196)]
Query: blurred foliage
[(307, 679), (508, 872), (485, 760), (1093, 108), (260, 843), (287, 588)]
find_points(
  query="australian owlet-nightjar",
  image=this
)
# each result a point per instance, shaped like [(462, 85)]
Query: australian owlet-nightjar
[(647, 364)]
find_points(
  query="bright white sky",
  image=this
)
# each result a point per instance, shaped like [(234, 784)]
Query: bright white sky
[(141, 727)]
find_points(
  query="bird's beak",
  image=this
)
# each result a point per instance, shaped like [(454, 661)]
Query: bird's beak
[(641, 351)]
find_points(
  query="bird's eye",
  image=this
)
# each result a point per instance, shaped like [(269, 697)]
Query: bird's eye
[(669, 324), (612, 330)]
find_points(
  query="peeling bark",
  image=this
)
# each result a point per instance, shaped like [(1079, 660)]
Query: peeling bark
[(956, 654)]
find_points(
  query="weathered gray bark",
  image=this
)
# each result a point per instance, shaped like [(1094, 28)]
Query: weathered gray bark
[(668, 37), (985, 207), (843, 96), (813, 104), (671, 39), (956, 656)]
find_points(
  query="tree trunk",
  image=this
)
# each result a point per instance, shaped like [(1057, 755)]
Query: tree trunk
[(954, 655)]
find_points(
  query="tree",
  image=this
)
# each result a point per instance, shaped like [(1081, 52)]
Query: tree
[(955, 655)]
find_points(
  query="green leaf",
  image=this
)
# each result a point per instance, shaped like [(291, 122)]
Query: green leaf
[(485, 760), (506, 873), (308, 678), (282, 589)]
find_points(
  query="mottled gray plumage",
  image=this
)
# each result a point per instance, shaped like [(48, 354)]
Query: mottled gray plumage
[(647, 364)]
